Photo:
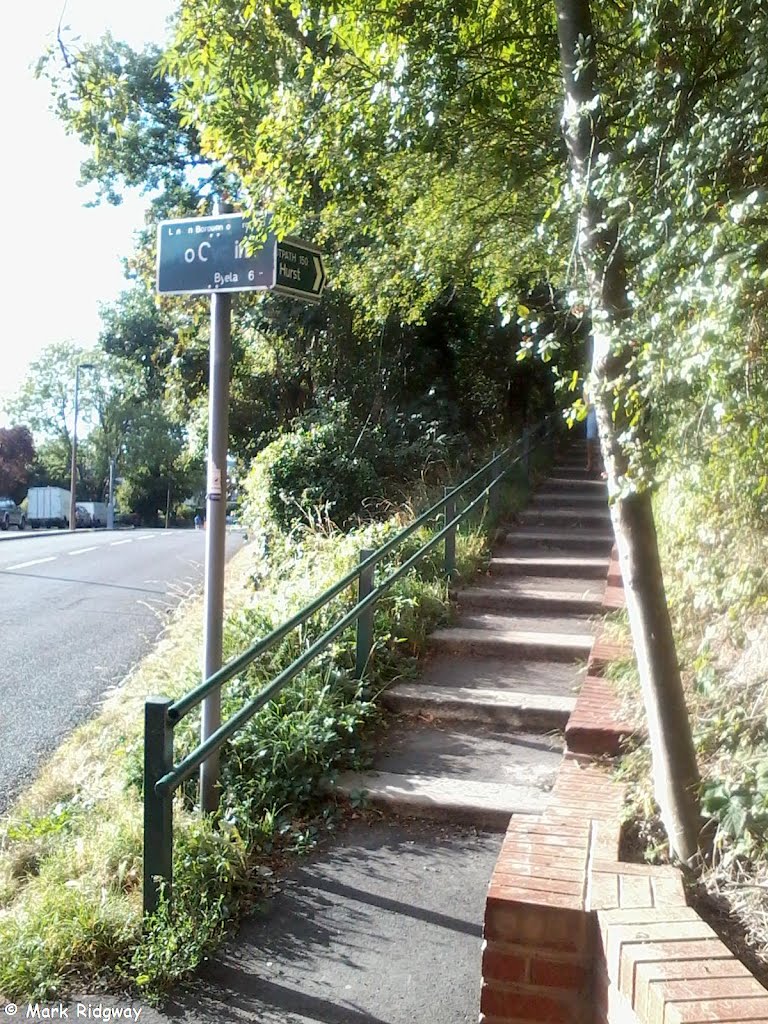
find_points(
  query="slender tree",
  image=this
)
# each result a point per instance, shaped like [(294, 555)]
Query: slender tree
[(676, 777)]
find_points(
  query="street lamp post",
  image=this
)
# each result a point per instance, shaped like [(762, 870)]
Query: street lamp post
[(73, 472), (111, 505)]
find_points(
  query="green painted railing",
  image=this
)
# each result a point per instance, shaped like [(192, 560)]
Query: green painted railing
[(161, 714)]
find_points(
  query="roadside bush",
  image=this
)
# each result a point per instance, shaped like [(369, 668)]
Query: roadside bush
[(184, 516), (335, 470), (315, 471)]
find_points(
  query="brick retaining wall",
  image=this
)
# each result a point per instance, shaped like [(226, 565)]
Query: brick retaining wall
[(574, 936)]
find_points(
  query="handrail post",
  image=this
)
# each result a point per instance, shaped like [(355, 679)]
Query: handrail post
[(158, 807), (449, 511), (365, 618), (526, 450), (550, 431), (493, 490)]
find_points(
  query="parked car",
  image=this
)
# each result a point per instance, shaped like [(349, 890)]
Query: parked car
[(83, 517), (11, 514), (97, 511)]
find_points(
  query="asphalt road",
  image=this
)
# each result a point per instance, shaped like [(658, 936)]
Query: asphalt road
[(77, 611)]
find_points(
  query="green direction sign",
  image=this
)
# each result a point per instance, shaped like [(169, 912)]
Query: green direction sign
[(210, 254), (299, 270)]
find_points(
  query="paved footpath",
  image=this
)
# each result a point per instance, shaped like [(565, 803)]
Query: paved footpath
[(384, 925)]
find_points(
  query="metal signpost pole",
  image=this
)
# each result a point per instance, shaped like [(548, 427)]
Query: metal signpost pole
[(211, 256), (215, 527)]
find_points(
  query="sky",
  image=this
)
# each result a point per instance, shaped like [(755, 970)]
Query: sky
[(58, 258)]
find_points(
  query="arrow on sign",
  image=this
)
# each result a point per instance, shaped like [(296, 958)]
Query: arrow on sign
[(299, 270)]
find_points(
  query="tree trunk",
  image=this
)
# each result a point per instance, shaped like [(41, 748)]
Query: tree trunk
[(676, 778)]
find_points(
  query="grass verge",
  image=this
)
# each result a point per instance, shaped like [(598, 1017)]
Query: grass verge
[(718, 592), (70, 850)]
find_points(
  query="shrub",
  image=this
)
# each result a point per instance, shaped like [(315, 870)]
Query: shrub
[(316, 471)]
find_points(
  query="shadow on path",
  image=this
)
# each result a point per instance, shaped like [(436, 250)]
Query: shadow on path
[(383, 926)]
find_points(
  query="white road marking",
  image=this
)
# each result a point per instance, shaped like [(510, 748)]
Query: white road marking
[(114, 543), (81, 551), (148, 536), (36, 561)]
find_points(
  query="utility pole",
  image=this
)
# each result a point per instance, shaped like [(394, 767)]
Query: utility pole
[(215, 526), (168, 505), (73, 467)]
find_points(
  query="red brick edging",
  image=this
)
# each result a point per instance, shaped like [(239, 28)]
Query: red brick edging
[(574, 936)]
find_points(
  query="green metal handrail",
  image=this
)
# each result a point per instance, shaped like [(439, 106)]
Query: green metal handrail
[(162, 778), (186, 703), (182, 771)]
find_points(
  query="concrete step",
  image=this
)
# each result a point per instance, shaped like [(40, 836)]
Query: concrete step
[(544, 517), (568, 499), (501, 709), (559, 483), (571, 471), (546, 637), (529, 621), (553, 678), (565, 540), (569, 466), (584, 567), (582, 520), (508, 694), (468, 775), (534, 594)]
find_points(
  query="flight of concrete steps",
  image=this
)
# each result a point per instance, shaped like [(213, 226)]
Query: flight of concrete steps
[(481, 733)]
